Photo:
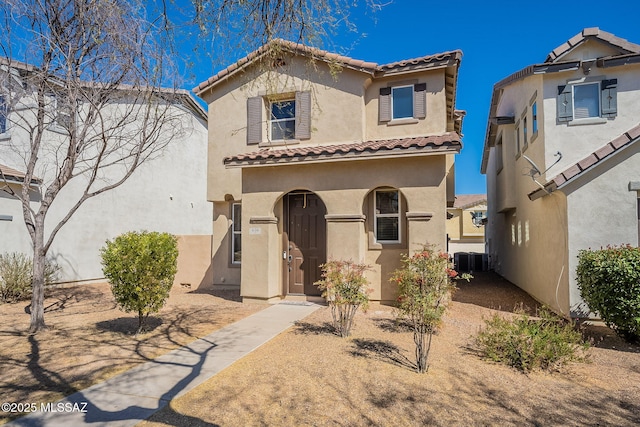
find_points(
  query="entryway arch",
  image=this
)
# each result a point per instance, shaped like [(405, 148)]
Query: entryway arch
[(304, 242)]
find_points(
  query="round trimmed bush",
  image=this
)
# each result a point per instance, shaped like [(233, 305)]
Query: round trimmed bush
[(609, 282)]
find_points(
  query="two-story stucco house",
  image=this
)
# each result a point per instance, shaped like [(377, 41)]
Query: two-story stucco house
[(465, 223), (316, 156), (166, 193), (562, 164)]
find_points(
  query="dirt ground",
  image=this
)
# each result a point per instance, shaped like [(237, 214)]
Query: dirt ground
[(89, 339), (308, 376)]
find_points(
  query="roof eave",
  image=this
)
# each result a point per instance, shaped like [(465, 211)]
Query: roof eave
[(327, 158)]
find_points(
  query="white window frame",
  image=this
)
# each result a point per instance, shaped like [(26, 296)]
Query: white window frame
[(4, 110), (272, 121), (388, 215), (235, 232), (598, 94), (413, 107)]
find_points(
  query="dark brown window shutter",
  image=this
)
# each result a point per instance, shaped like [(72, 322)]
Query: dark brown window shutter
[(254, 120), (609, 95), (303, 115), (384, 104), (420, 101)]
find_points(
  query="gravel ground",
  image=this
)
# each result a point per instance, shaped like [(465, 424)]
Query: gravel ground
[(90, 340), (308, 376)]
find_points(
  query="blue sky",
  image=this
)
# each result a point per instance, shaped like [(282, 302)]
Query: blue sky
[(497, 38)]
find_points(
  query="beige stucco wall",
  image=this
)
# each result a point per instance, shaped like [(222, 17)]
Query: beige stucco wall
[(344, 188), (603, 211)]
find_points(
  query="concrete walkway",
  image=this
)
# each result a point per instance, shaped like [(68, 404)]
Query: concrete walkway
[(135, 395)]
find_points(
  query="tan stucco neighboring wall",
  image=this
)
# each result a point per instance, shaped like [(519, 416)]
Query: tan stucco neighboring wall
[(344, 188), (194, 262), (603, 211), (527, 243)]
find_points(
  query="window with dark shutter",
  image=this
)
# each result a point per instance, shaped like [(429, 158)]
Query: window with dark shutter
[(254, 120), (303, 115), (384, 104), (3, 114), (564, 103), (609, 96), (420, 101)]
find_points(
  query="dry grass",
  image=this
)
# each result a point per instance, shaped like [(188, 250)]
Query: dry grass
[(90, 340), (308, 376)]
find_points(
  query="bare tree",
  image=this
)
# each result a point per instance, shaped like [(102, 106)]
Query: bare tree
[(80, 82)]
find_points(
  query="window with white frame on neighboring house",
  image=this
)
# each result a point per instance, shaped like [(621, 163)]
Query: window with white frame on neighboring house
[(288, 117), (400, 102), (517, 139), (236, 233), (4, 112), (534, 119), (387, 216), (588, 100)]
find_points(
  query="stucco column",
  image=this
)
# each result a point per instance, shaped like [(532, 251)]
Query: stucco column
[(261, 260), (345, 237)]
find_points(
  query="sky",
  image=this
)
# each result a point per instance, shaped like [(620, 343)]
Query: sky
[(497, 38)]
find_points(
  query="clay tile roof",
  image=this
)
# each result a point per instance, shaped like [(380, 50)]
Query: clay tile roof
[(464, 201), (425, 144), (593, 33), (13, 175), (344, 61)]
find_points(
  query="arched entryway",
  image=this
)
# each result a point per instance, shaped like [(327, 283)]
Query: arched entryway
[(305, 242)]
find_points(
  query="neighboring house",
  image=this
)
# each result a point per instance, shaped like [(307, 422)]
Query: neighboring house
[(167, 194), (562, 164), (316, 156), (465, 223)]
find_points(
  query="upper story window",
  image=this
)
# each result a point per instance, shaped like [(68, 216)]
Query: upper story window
[(586, 100), (4, 110), (397, 103), (282, 123), (590, 100), (288, 117), (534, 118), (387, 216), (524, 131), (517, 139), (402, 102)]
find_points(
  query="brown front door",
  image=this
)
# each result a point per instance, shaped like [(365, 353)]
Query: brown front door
[(305, 242)]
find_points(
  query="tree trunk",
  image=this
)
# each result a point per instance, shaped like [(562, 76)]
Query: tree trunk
[(37, 284)]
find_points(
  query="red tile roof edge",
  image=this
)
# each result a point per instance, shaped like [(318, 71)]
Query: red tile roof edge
[(450, 139), (464, 201), (368, 67), (14, 173), (593, 32)]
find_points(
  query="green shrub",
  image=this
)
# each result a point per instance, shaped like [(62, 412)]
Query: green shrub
[(344, 286), (16, 275), (140, 268), (609, 282), (529, 343)]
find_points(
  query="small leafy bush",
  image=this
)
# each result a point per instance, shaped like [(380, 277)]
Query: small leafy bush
[(16, 275), (424, 289), (141, 266), (527, 343), (344, 286), (609, 282)]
